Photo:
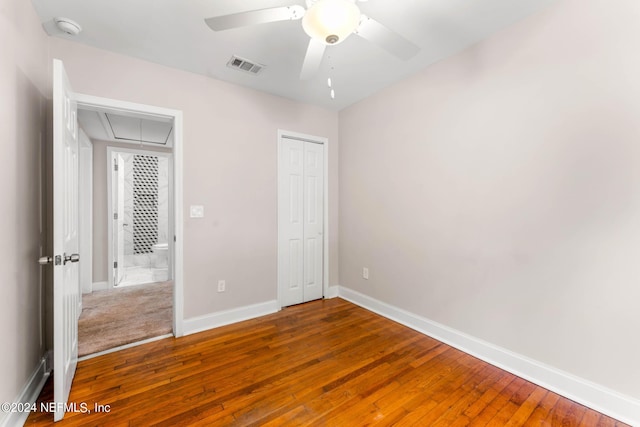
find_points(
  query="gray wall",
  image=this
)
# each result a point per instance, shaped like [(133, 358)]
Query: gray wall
[(498, 192), (23, 120)]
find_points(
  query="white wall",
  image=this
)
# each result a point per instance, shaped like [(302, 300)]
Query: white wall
[(23, 108), (230, 162), (498, 192)]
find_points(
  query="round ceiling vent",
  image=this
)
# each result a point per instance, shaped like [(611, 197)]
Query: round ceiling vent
[(68, 26)]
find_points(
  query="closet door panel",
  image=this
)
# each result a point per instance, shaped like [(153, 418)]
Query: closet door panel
[(291, 221), (313, 220)]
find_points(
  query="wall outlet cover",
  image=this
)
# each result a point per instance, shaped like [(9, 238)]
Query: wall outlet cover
[(196, 211)]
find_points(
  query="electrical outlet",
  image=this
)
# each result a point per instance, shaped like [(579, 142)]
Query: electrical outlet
[(196, 211), (365, 273), (222, 286)]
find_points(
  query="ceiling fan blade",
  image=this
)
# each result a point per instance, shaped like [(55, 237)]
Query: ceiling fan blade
[(312, 59), (390, 41), (262, 16)]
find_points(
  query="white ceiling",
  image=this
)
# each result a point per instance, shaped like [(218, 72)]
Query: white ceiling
[(173, 33)]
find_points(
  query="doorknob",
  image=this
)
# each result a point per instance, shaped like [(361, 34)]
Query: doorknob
[(45, 260), (71, 258)]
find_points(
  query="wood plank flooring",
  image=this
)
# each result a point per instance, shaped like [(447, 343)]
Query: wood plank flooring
[(326, 363)]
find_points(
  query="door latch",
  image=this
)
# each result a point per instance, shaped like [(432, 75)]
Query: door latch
[(71, 258), (48, 260), (45, 260)]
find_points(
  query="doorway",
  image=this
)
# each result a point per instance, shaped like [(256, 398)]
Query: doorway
[(302, 218), (140, 195), (66, 212), (133, 224), (159, 114)]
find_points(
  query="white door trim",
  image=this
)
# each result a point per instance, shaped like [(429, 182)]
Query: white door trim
[(285, 134), (111, 209), (86, 213), (89, 101)]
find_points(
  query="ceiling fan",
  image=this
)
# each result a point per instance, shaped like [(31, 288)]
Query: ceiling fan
[(327, 22)]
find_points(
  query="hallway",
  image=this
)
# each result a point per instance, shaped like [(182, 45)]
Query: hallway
[(113, 318)]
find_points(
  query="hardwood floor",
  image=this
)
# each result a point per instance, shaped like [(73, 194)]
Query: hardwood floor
[(321, 363)]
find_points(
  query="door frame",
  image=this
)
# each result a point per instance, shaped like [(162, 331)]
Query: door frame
[(91, 102), (113, 256), (285, 134), (110, 208), (85, 195)]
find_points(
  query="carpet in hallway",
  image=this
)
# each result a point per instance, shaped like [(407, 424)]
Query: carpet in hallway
[(121, 316)]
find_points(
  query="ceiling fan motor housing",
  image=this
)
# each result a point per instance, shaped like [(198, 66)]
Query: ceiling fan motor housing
[(331, 21)]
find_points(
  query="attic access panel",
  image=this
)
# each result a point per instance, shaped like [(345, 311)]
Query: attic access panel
[(135, 129)]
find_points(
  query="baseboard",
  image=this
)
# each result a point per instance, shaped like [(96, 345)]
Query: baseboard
[(227, 317), (29, 394), (99, 286), (48, 361), (332, 292), (616, 405)]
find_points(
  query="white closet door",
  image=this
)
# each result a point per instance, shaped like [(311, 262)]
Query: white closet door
[(313, 220), (290, 221), (300, 221)]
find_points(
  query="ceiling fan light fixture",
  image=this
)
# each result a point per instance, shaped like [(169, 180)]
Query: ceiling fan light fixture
[(331, 21)]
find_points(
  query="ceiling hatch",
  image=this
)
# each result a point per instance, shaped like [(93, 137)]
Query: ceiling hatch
[(139, 130), (111, 125)]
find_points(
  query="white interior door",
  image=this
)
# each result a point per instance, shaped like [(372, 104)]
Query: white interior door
[(313, 199), (65, 238), (290, 221), (300, 221), (118, 198)]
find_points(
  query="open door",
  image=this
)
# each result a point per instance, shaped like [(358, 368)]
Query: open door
[(65, 238), (117, 198)]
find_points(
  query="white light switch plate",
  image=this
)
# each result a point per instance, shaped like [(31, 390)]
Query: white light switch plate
[(196, 211)]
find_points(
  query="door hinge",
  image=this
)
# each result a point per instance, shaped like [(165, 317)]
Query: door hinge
[(115, 215), (115, 166), (115, 264)]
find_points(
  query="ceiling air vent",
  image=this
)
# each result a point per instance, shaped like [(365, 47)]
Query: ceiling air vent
[(245, 65)]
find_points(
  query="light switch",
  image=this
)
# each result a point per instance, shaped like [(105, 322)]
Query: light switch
[(197, 211)]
